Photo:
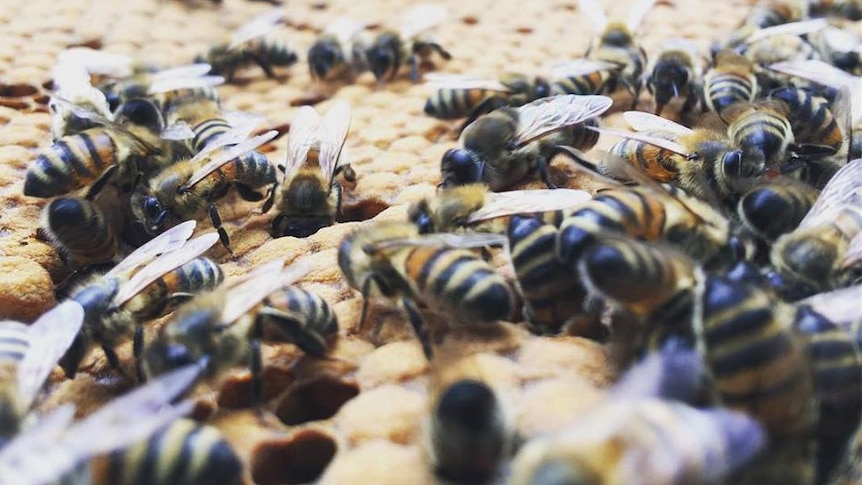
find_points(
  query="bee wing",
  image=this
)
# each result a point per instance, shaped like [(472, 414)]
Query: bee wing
[(302, 136), (72, 82), (23, 459), (60, 103), (421, 18), (853, 256), (652, 140), (49, 337), (344, 29), (840, 306), (251, 290), (437, 80), (256, 27), (162, 265), (455, 241), (637, 14), (333, 134), (579, 67), (843, 189), (828, 75), (499, 204), (170, 240), (188, 71), (225, 155), (642, 121), (98, 61), (161, 86), (793, 28), (177, 131), (595, 13), (547, 115)]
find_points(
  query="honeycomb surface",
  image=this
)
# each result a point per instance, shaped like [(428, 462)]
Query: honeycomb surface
[(358, 417)]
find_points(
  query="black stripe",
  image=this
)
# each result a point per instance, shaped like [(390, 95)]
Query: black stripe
[(751, 356)]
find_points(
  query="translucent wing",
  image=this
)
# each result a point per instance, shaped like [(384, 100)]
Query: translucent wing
[(99, 118), (188, 71), (72, 82), (23, 459), (579, 67), (245, 295), (242, 125), (98, 61), (177, 131), (853, 255), (161, 86), (420, 18), (637, 14), (843, 189), (438, 80), (49, 336), (547, 115), (595, 13), (455, 241), (257, 27), (642, 121), (170, 240), (225, 155), (162, 265), (344, 29), (333, 134), (652, 140), (302, 136), (792, 28), (499, 204), (840, 306)]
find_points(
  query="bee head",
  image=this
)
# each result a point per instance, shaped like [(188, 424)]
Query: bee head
[(381, 60), (149, 211), (322, 58), (460, 167), (420, 214)]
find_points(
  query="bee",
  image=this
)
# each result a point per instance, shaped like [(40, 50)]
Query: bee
[(772, 208), (762, 135), (849, 9), (207, 123), (410, 44), (554, 300), (824, 251), (72, 84), (339, 51), (307, 197), (615, 43), (676, 74), (147, 284), (469, 432), (769, 13), (728, 81), (780, 43), (640, 441), (393, 260), (849, 470), (117, 151), (183, 452), (28, 354), (301, 317), (72, 446), (499, 147), (189, 189), (583, 76), (219, 329), (841, 47), (839, 307), (465, 96), (166, 85), (246, 48), (82, 231), (474, 207)]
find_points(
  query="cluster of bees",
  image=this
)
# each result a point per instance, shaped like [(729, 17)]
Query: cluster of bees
[(720, 262)]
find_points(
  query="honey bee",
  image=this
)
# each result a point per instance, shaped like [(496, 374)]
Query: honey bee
[(584, 76), (207, 123), (824, 252), (762, 135), (72, 446), (499, 147), (474, 207), (72, 84), (772, 208), (841, 47), (729, 80), (780, 43), (117, 151), (393, 260), (615, 43), (308, 197), (166, 85), (28, 354), (849, 9), (219, 329), (301, 317), (339, 51), (469, 431), (81, 230), (554, 300), (849, 470), (189, 189), (676, 74), (246, 48), (840, 307), (769, 13), (147, 284), (183, 452), (410, 44), (642, 441)]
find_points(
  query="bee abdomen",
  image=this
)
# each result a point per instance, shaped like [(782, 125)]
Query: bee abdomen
[(81, 229), (303, 317), (592, 83), (447, 104), (276, 53), (13, 342), (726, 89), (198, 275), (208, 130), (254, 170), (70, 163), (184, 453)]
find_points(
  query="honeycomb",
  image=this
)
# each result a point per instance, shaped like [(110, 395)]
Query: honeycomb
[(357, 417)]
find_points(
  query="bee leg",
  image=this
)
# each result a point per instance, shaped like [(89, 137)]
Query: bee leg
[(101, 182), (439, 50), (216, 220), (247, 193), (256, 363), (419, 327), (542, 166), (366, 288), (413, 60), (137, 351), (263, 63), (347, 171), (270, 200), (690, 101), (111, 355)]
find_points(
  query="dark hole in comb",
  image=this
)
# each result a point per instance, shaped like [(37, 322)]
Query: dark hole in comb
[(469, 20), (309, 99), (362, 210), (524, 30), (314, 399), (302, 458), (14, 104), (236, 392), (17, 90)]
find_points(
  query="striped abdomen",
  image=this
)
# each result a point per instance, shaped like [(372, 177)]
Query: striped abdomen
[(771, 210), (208, 130), (252, 170), (302, 317), (14, 342), (591, 83), (198, 275), (553, 295), (71, 163), (82, 230), (757, 363), (722, 89), (459, 280), (183, 453), (658, 163), (449, 104), (763, 136), (810, 117)]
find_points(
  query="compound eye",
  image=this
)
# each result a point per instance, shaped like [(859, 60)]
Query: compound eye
[(152, 207)]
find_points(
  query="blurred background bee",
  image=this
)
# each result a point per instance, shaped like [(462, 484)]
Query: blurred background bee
[(504, 146), (780, 43), (840, 45), (308, 197), (676, 73), (28, 354), (409, 45), (339, 51), (394, 261), (849, 9), (247, 47), (614, 42)]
